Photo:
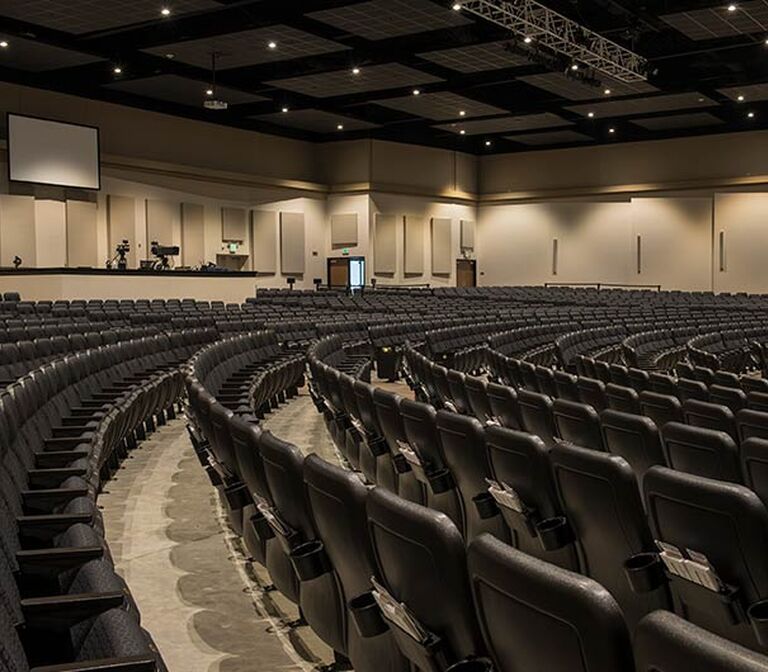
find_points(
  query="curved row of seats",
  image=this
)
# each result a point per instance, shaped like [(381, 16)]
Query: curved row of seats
[(702, 449), (542, 501), (65, 427)]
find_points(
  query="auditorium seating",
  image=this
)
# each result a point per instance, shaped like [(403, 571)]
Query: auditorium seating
[(521, 510)]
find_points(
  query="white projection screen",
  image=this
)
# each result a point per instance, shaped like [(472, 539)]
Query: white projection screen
[(50, 152)]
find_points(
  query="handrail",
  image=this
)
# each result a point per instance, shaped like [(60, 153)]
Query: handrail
[(601, 285)]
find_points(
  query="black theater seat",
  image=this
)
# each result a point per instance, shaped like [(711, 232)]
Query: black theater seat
[(463, 442), (387, 406), (728, 525), (320, 599), (578, 424), (421, 563), (427, 459), (337, 501), (536, 616), (703, 452), (665, 642), (519, 462), (633, 437), (604, 512), (536, 415)]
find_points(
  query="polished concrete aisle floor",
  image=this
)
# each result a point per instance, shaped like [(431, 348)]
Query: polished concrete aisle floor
[(199, 597)]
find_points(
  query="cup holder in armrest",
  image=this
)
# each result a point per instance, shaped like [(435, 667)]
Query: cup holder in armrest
[(486, 505), (310, 560), (401, 464), (261, 527), (237, 496), (378, 446), (367, 616), (472, 665), (441, 481), (645, 572), (758, 617), (554, 533)]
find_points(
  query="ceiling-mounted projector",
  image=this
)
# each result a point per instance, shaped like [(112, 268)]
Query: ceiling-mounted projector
[(213, 104)]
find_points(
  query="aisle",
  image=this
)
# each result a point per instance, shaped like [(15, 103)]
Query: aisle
[(169, 539)]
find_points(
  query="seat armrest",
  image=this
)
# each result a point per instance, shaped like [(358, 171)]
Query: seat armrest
[(54, 560), (81, 420), (66, 442), (57, 459), (62, 612), (52, 478), (48, 526), (70, 432), (45, 500)]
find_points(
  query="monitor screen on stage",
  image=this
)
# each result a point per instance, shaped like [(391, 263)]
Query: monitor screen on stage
[(41, 151)]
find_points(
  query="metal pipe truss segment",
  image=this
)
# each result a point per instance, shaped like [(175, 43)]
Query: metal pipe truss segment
[(528, 18)]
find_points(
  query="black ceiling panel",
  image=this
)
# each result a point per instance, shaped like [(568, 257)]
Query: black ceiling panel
[(249, 47), (356, 64), (175, 89), (384, 19), (85, 16)]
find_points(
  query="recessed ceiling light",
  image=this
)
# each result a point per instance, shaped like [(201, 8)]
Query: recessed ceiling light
[(740, 98), (272, 45), (416, 92), (462, 113), (355, 71), (209, 92), (118, 70), (607, 92), (611, 130), (285, 109), (165, 11), (732, 8), (339, 127), (528, 39), (462, 132), (3, 45), (488, 143), (751, 115), (456, 6), (591, 115)]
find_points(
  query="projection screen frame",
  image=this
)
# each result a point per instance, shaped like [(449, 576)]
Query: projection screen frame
[(8, 116)]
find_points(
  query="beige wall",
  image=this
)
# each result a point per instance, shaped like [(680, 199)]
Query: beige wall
[(712, 161), (426, 209), (677, 195)]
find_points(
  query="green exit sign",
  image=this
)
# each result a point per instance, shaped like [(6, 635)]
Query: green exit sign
[(345, 251)]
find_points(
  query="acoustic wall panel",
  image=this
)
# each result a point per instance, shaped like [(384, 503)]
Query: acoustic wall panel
[(385, 244), (192, 234), (344, 230), (414, 245), (51, 233), (17, 230), (467, 235), (82, 234), (292, 243), (233, 224), (264, 241), (163, 222), (441, 246), (121, 224)]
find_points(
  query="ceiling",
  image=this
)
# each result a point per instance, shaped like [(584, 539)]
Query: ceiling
[(345, 69)]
